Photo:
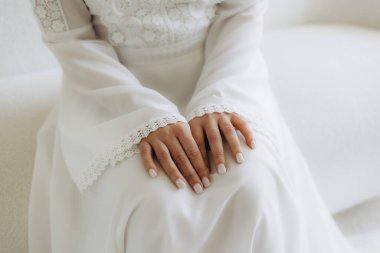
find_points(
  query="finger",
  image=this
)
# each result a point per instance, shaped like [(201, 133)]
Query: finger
[(216, 145), (184, 165), (194, 154), (239, 123), (230, 135), (171, 170), (199, 138), (146, 155)]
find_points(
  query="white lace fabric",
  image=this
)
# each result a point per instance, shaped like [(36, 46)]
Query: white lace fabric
[(150, 23), (50, 15), (211, 108)]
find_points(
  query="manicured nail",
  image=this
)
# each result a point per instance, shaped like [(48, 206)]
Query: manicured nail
[(180, 183), (198, 188), (152, 173), (205, 181), (221, 168), (253, 144), (239, 157)]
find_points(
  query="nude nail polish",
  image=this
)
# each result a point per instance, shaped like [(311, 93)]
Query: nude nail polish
[(221, 168), (198, 188), (180, 183), (253, 144), (239, 157), (152, 173), (206, 181)]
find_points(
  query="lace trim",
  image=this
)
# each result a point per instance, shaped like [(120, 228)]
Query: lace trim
[(260, 125), (211, 108), (124, 148), (50, 15)]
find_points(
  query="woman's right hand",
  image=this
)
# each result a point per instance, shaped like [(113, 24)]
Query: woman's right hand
[(178, 154)]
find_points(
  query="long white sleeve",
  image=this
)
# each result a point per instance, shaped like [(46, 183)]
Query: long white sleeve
[(234, 71), (104, 110)]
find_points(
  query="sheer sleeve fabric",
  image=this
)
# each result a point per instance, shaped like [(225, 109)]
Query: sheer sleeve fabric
[(234, 73), (104, 111)]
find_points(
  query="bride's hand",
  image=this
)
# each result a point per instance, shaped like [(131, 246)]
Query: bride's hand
[(178, 154), (214, 125)]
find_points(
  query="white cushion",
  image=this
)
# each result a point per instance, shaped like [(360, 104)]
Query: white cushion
[(24, 104), (327, 81), (287, 13)]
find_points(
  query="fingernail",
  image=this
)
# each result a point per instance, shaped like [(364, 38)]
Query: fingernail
[(180, 183), (253, 144), (205, 181), (221, 168), (152, 173), (239, 157), (198, 188)]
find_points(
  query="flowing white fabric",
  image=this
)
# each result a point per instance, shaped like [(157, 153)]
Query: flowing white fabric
[(105, 111), (130, 67), (233, 61)]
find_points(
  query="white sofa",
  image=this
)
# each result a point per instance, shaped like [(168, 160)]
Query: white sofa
[(324, 59)]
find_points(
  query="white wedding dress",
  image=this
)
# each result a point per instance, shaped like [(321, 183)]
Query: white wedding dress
[(132, 66)]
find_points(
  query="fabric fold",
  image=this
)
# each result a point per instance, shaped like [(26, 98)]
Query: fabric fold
[(234, 67), (104, 110)]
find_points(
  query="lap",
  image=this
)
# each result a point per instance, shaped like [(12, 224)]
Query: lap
[(130, 181)]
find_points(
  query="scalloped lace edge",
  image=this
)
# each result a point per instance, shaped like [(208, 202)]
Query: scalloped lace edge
[(122, 149), (210, 108)]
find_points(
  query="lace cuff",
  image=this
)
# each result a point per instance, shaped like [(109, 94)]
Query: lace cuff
[(211, 108), (124, 148)]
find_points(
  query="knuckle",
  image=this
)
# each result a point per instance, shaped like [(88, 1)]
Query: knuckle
[(226, 124), (236, 146), (143, 148), (165, 135), (143, 143), (202, 171), (199, 140), (173, 174), (213, 135), (192, 178), (218, 154), (180, 128), (235, 115), (180, 159), (237, 119), (147, 157), (167, 139), (162, 153), (224, 120), (193, 153), (196, 133), (229, 131), (208, 115)]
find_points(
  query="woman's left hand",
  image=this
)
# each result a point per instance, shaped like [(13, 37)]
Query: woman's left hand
[(214, 125)]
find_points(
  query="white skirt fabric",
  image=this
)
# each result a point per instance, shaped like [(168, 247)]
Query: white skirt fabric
[(267, 204)]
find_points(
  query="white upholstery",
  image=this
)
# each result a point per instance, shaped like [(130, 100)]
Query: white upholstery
[(326, 79), (286, 13), (24, 103)]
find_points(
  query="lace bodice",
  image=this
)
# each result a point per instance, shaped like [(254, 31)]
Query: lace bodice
[(150, 22), (138, 23)]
